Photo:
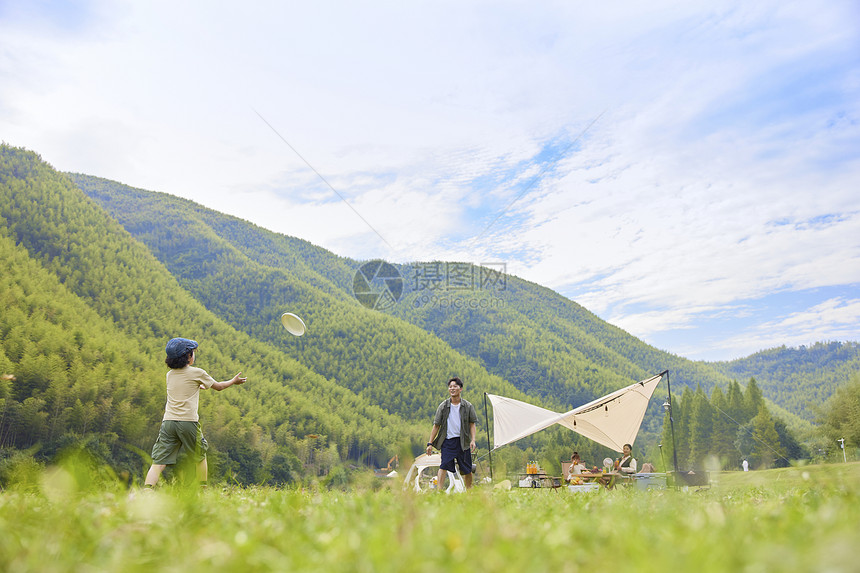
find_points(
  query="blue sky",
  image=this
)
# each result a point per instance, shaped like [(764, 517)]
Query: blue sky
[(687, 172)]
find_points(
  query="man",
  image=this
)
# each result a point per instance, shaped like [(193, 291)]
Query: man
[(453, 434), (180, 426)]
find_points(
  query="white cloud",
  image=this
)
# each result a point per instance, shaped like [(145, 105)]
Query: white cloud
[(835, 319), (838, 311)]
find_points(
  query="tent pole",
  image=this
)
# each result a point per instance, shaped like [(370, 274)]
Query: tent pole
[(489, 446), (672, 425)]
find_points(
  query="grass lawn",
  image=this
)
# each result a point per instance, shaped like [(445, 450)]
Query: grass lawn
[(794, 519)]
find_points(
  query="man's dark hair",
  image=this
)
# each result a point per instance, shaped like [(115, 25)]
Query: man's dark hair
[(179, 361), (455, 379)]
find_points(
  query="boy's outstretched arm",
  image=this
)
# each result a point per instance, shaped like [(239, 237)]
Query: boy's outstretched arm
[(237, 379)]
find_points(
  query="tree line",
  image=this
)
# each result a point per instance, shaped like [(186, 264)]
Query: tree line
[(720, 431)]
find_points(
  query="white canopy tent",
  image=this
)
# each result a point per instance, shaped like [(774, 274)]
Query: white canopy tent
[(612, 420)]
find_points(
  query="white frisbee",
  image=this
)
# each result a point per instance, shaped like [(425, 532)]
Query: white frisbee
[(293, 324)]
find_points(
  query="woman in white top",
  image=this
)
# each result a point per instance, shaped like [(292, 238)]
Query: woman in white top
[(627, 463)]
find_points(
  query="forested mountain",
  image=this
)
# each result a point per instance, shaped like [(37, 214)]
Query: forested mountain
[(550, 346), (249, 277), (545, 345), (87, 312), (98, 275), (799, 379)]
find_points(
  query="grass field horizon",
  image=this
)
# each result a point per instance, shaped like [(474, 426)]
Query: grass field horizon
[(788, 519)]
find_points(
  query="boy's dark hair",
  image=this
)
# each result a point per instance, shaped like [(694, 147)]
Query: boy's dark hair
[(455, 379), (178, 361)]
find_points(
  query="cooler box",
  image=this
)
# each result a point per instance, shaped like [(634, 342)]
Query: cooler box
[(649, 481), (584, 487)]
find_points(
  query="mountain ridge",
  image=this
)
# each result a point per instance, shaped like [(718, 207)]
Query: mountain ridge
[(599, 356)]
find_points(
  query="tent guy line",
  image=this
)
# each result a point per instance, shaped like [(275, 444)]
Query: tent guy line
[(324, 180)]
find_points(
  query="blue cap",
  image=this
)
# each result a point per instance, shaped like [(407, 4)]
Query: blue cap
[(177, 347)]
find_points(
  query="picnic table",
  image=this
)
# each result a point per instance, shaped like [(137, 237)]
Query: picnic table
[(539, 480)]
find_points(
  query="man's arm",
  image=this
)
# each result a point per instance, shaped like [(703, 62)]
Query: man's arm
[(433, 433), (473, 429), (237, 379)]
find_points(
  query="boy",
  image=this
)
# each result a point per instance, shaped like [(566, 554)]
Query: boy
[(180, 426)]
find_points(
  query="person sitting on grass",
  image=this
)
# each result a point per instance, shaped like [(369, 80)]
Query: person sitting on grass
[(180, 427)]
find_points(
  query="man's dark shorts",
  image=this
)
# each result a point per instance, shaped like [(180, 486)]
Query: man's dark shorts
[(178, 436), (450, 450)]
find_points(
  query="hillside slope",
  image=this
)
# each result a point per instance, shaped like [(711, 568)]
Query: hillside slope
[(249, 277)]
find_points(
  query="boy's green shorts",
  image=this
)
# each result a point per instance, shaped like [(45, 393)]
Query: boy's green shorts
[(177, 436)]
